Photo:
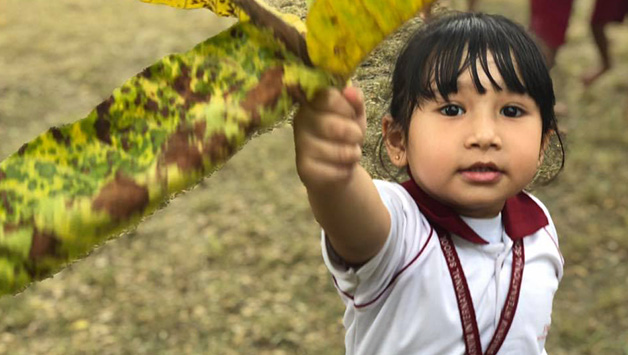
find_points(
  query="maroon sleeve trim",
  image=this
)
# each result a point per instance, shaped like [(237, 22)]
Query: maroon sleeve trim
[(562, 260), (392, 281), (346, 294)]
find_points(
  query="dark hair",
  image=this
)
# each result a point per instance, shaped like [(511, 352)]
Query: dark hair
[(440, 51)]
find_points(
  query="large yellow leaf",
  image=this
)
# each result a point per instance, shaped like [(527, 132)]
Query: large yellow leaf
[(341, 33)]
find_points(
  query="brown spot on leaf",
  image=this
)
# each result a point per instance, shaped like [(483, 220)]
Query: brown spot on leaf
[(235, 33), (151, 105), (103, 127), (102, 124), (103, 108), (146, 73), (164, 112), (43, 244), (22, 149), (183, 85), (182, 82), (179, 150), (2, 175), (265, 94), (121, 198), (58, 136)]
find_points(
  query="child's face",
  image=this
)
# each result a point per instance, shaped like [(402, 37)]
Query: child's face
[(476, 150)]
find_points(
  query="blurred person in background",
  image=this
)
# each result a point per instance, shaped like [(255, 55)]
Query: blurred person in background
[(604, 13), (549, 21)]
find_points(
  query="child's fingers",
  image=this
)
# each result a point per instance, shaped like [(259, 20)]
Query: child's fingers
[(355, 97), (339, 129), (332, 101), (329, 126), (333, 153)]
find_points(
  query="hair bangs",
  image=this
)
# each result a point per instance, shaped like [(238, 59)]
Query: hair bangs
[(460, 53)]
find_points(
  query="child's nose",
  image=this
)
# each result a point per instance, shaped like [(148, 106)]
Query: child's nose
[(483, 133)]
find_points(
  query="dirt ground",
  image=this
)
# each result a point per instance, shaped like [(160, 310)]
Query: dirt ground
[(234, 266)]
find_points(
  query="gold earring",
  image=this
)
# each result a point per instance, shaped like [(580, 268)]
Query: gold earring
[(397, 157)]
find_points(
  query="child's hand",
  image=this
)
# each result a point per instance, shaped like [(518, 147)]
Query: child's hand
[(328, 134)]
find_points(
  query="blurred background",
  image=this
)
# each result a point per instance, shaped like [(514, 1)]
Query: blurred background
[(234, 266)]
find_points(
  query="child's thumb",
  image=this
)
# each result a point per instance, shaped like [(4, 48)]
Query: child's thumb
[(355, 97)]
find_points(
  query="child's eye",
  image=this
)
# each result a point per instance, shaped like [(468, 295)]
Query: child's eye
[(452, 110), (511, 111)]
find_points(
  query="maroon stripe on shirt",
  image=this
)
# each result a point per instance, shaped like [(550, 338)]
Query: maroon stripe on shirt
[(397, 274), (562, 260)]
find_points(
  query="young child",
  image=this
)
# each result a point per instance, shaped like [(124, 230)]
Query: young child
[(458, 259)]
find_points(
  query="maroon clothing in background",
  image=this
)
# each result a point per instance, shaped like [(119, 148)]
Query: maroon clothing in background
[(606, 11), (549, 20)]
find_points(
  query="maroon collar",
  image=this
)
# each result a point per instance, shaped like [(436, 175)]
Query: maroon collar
[(521, 215)]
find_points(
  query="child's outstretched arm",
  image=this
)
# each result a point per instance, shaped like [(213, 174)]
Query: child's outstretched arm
[(329, 133)]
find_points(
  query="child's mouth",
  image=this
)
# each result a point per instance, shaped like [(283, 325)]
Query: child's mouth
[(482, 173)]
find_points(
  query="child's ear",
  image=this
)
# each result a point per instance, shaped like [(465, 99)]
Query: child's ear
[(395, 140)]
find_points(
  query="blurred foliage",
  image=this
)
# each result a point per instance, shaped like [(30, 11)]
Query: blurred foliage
[(234, 266)]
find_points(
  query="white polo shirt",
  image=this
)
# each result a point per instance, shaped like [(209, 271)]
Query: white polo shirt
[(403, 302)]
